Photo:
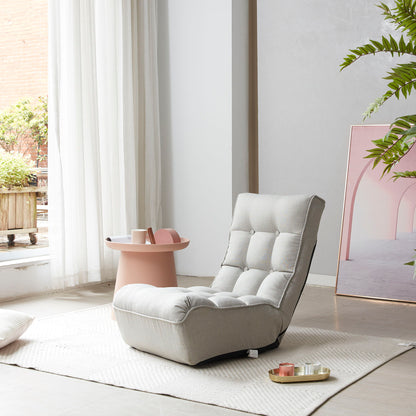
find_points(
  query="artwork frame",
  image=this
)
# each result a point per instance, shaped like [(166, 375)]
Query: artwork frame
[(378, 231)]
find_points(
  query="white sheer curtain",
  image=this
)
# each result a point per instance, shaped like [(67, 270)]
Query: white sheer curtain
[(104, 145)]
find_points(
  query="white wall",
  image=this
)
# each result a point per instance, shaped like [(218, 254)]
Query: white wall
[(29, 277), (195, 76), (306, 106), (203, 84)]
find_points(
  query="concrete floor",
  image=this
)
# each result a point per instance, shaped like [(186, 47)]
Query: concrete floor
[(22, 247), (376, 268), (389, 390)]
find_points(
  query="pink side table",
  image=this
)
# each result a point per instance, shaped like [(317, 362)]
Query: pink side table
[(153, 264)]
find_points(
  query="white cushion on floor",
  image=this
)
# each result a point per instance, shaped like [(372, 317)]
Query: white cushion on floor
[(12, 325)]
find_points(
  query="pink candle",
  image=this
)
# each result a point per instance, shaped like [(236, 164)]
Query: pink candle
[(286, 369)]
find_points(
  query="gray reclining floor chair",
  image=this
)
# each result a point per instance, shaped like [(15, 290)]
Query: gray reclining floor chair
[(252, 299)]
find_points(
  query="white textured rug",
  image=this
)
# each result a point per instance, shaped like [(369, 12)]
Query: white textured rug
[(86, 344)]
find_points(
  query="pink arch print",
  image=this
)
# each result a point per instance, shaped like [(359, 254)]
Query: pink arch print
[(378, 234), (349, 212), (383, 196), (406, 210)]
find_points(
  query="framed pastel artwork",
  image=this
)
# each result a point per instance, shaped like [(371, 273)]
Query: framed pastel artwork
[(378, 234)]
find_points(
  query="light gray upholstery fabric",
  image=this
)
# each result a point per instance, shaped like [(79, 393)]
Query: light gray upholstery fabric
[(252, 298)]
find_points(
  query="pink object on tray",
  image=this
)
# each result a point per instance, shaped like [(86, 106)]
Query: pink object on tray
[(167, 236), (286, 369)]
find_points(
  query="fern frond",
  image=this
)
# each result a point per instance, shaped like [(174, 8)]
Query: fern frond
[(406, 174), (373, 107), (403, 15), (389, 45), (402, 81), (400, 138)]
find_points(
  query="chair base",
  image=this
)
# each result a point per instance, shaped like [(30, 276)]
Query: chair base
[(243, 353)]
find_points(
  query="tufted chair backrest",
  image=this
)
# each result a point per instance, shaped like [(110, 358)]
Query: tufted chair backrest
[(271, 243)]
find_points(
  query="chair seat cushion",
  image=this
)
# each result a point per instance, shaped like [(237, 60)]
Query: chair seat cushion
[(174, 304), (194, 324)]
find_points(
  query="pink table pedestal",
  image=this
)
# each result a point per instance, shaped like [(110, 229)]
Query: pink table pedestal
[(153, 264)]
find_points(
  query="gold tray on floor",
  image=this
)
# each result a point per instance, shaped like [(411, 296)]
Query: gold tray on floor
[(299, 375)]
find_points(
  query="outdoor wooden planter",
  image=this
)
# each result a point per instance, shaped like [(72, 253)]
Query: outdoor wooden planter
[(18, 212)]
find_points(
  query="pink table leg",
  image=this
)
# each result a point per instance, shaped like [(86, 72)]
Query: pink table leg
[(154, 268)]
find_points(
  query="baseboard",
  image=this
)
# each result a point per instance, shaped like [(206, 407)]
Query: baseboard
[(321, 280)]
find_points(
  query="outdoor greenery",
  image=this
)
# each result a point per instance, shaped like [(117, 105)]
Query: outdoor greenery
[(15, 169), (27, 118), (401, 83)]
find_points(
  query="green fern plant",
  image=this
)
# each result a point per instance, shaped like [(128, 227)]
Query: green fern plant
[(401, 79)]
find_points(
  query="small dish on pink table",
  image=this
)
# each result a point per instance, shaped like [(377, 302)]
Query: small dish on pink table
[(152, 264)]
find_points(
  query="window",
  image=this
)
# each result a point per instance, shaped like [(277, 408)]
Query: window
[(23, 129)]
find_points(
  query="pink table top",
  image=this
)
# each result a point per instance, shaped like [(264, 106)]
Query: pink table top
[(147, 248)]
